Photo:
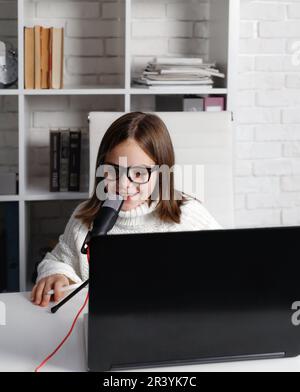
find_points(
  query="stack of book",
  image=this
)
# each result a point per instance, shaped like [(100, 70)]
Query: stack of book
[(189, 103), (65, 154), (43, 57), (178, 71), (204, 104)]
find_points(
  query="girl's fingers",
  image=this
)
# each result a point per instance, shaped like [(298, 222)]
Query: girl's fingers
[(57, 290), (39, 292), (32, 296), (46, 297)]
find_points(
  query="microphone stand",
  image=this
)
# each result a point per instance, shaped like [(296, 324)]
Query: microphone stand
[(55, 308), (98, 229)]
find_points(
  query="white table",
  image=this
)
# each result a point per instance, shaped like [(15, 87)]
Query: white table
[(32, 332)]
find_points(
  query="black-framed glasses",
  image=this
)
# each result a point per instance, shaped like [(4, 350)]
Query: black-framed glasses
[(136, 174)]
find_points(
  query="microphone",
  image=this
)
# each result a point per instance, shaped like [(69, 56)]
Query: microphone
[(105, 220)]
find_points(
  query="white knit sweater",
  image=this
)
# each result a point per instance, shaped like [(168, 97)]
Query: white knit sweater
[(66, 258)]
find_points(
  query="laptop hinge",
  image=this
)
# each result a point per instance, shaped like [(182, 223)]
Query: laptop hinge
[(199, 361)]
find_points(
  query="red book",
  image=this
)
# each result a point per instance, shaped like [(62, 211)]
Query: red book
[(214, 104)]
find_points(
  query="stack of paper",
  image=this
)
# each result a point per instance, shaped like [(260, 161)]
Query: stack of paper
[(174, 71)]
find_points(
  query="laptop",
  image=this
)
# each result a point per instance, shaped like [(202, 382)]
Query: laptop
[(165, 299)]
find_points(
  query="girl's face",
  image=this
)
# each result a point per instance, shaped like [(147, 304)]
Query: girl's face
[(128, 154)]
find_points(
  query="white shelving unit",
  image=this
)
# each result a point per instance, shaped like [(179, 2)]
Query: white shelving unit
[(38, 110)]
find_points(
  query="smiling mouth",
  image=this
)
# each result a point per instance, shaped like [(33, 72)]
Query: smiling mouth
[(131, 195)]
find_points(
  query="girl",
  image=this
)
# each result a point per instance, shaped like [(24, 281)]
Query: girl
[(143, 142)]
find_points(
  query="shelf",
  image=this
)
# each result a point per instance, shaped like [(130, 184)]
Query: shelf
[(46, 221), (191, 28), (94, 40), (5, 198), (65, 111), (38, 190), (6, 91), (82, 90), (134, 90)]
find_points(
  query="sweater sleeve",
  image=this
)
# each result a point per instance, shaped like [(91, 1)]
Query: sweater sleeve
[(64, 258), (197, 217)]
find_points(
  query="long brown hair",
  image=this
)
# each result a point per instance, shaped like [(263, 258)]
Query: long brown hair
[(152, 135)]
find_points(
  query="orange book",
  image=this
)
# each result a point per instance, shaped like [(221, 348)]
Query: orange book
[(45, 35), (62, 59), (57, 53), (29, 58), (50, 58), (37, 57)]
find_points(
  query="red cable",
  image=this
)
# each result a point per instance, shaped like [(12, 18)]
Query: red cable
[(70, 330)]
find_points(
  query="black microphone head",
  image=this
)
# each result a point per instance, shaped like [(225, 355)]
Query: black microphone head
[(107, 215), (105, 219)]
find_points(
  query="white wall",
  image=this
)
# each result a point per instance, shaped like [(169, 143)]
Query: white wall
[(168, 28), (268, 114)]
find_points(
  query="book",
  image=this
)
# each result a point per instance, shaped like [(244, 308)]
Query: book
[(56, 54), (74, 160), (168, 103), (177, 71), (64, 160), (173, 81), (193, 104), (190, 71), (203, 70), (37, 57), (171, 78), (54, 160), (181, 88), (29, 72), (214, 104), (45, 35), (84, 160)]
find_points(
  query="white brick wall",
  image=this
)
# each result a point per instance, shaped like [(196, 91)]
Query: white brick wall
[(8, 21), (268, 134), (172, 28)]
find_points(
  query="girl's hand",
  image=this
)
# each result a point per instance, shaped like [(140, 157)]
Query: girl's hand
[(55, 282)]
